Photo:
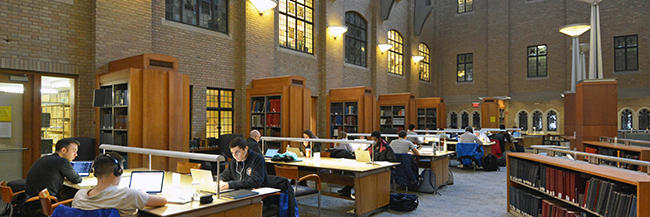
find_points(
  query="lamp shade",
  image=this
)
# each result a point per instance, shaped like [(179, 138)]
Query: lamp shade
[(264, 5), (575, 30), (384, 47), (417, 59), (337, 31)]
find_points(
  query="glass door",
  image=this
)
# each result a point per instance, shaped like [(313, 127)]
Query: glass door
[(57, 111), (11, 130)]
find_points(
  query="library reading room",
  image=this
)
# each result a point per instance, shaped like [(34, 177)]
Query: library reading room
[(340, 108)]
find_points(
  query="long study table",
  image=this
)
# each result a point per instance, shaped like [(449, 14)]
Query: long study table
[(439, 163)]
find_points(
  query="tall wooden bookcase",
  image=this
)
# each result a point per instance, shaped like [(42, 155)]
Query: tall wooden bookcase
[(278, 106), (430, 113), (146, 105), (350, 109), (396, 111), (492, 112)]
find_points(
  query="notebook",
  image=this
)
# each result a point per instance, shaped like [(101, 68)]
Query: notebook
[(204, 179), (241, 193), (82, 167), (295, 151), (270, 152), (149, 181), (362, 156)]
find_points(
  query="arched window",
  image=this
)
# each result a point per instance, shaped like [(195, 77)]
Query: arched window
[(644, 119), (626, 120), (296, 24), (424, 64), (355, 39), (537, 121), (453, 117), (464, 120), (396, 53), (476, 119), (523, 120), (551, 120)]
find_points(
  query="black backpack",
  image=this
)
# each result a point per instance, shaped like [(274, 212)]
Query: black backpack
[(490, 163), (403, 202), (427, 181)]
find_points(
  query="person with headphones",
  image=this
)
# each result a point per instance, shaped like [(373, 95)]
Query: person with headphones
[(246, 170), (108, 169)]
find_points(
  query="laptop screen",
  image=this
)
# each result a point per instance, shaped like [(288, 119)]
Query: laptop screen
[(270, 152), (149, 181), (82, 167)]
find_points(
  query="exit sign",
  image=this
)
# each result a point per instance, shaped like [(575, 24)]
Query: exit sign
[(475, 104)]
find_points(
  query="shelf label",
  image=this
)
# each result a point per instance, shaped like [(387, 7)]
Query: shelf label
[(5, 113)]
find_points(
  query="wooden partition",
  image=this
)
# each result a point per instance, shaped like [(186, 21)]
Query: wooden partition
[(569, 115), (146, 105), (492, 113), (596, 105), (396, 111), (428, 109), (350, 109)]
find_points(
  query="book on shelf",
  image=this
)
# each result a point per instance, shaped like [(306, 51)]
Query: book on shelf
[(398, 121), (351, 120), (350, 110), (257, 106), (338, 120), (273, 120), (274, 105)]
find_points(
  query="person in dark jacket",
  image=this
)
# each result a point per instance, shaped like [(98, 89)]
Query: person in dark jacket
[(381, 151), (246, 170), (50, 171), (253, 142), (503, 137)]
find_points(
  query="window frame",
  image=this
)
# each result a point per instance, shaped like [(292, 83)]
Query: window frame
[(523, 126), (464, 116), (218, 110), (393, 52), (541, 121), (476, 119), (464, 4), (643, 119), (364, 29), (630, 114), (548, 121), (537, 61), (169, 17), (296, 18), (453, 120), (625, 49), (464, 64), (425, 63)]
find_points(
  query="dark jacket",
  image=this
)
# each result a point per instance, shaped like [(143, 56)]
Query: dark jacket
[(286, 201), (382, 152), (248, 174), (253, 145), (49, 172)]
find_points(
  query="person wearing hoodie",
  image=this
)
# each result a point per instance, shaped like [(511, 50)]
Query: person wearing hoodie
[(247, 169)]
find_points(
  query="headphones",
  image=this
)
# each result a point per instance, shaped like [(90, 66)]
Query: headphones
[(117, 169)]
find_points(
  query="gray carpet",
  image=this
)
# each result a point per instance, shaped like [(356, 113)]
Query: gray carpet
[(474, 193)]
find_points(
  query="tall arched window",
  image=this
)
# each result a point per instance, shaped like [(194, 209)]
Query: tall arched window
[(537, 121), (626, 120), (523, 120), (476, 119), (464, 120), (296, 23), (551, 120), (424, 64), (396, 53), (644, 119), (355, 39), (453, 117)]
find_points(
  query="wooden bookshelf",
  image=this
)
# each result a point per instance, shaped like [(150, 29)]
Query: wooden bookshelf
[(396, 111), (640, 180), (430, 113), (146, 105), (290, 112), (642, 153), (351, 110)]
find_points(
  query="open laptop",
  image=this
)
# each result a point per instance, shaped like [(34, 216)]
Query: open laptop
[(362, 156), (82, 167), (270, 152), (295, 151), (149, 181), (204, 180)]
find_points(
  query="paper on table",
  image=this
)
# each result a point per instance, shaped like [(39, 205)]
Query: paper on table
[(266, 190), (5, 129)]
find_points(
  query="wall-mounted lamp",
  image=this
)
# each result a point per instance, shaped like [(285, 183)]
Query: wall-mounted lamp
[(264, 5), (384, 47), (337, 31), (417, 59)]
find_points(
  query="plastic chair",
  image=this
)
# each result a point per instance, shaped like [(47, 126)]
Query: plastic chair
[(46, 202), (469, 153), (65, 211), (291, 172), (8, 196)]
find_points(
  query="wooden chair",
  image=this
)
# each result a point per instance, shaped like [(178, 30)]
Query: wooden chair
[(46, 202), (185, 167), (8, 196), (291, 172)]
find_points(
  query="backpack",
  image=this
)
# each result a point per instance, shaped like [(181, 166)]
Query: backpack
[(450, 181), (403, 202), (427, 181), (490, 163)]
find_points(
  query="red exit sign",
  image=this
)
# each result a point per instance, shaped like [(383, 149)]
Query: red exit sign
[(475, 104)]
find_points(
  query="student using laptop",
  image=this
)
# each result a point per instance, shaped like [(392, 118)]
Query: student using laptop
[(108, 169), (245, 171), (50, 171), (402, 145), (383, 152)]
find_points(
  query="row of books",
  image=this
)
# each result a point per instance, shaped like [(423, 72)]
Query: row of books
[(120, 139), (272, 120), (609, 198), (427, 112), (106, 120), (121, 122), (349, 120), (274, 105), (106, 138), (554, 208), (528, 203), (386, 111), (121, 97)]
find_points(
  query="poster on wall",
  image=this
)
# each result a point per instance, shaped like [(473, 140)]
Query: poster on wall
[(5, 113)]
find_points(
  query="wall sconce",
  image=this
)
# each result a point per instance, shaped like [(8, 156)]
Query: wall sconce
[(337, 31), (417, 59), (384, 47), (264, 5)]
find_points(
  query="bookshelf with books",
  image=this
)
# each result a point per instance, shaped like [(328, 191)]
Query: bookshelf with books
[(619, 150), (396, 111), (350, 110), (430, 113), (142, 101), (56, 108), (542, 185), (279, 107)]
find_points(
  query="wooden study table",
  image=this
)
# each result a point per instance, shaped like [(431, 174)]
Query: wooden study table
[(371, 182), (439, 164), (249, 206)]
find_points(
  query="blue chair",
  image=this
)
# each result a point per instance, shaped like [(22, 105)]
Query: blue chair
[(65, 211), (469, 153)]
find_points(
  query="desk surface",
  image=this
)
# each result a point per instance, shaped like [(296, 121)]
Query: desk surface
[(181, 185), (484, 143), (337, 164), (429, 153)]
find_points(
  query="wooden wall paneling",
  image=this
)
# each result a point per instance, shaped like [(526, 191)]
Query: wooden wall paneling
[(176, 113), (306, 110), (154, 124), (382, 191), (442, 116), (295, 112), (135, 111), (596, 105), (643, 199), (569, 113), (286, 131), (364, 200), (31, 117), (313, 119)]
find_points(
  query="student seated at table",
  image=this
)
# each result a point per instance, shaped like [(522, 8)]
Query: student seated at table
[(343, 146), (383, 151), (469, 137), (106, 194), (50, 171), (402, 145), (411, 131), (245, 171)]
